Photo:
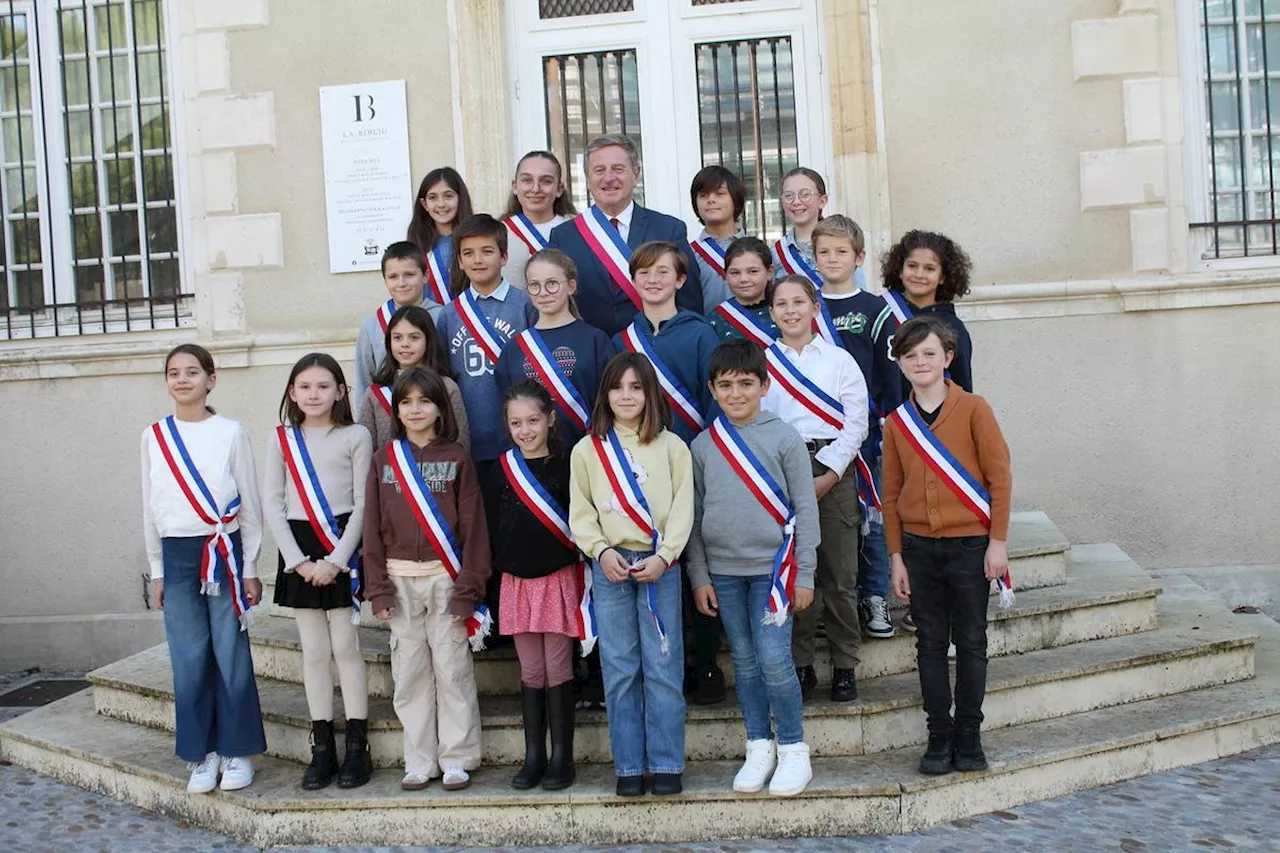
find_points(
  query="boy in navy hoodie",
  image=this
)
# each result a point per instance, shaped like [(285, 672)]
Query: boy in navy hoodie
[(679, 343)]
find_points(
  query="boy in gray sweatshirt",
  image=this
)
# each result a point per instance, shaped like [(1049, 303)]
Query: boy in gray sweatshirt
[(736, 545), (403, 272)]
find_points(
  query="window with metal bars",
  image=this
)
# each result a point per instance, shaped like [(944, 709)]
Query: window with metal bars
[(1241, 72), (91, 238), (589, 94), (548, 9), (747, 120)]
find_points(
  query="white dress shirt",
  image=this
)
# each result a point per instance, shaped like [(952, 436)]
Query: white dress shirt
[(838, 375), (624, 220)]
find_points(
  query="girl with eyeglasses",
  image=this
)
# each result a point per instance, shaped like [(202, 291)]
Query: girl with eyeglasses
[(539, 202), (804, 195)]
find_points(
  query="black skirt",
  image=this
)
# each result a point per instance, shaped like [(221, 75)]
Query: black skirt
[(293, 591)]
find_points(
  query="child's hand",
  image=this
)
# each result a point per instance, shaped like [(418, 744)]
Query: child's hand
[(704, 598), (253, 590), (158, 586), (611, 563), (386, 615), (803, 599), (825, 483), (649, 569), (306, 570), (898, 577), (323, 573), (996, 562)]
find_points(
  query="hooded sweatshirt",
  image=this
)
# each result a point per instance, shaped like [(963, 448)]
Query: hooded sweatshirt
[(391, 529), (733, 534), (894, 386)]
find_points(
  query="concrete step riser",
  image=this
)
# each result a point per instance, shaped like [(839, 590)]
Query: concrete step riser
[(827, 733), (501, 677)]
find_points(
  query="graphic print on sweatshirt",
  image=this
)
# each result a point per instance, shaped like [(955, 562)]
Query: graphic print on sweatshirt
[(642, 475), (437, 475), (474, 361), (565, 357)]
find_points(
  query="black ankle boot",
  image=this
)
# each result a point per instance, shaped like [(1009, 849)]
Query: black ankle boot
[(324, 757), (560, 770), (969, 756), (533, 708), (357, 767), (936, 760)]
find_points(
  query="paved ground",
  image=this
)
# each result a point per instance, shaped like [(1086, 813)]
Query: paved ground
[(1233, 804)]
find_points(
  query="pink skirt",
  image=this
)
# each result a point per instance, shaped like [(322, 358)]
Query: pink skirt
[(546, 605)]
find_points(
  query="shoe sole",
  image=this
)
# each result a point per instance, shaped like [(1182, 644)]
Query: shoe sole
[(941, 771), (225, 787), (970, 768), (835, 698), (414, 786), (881, 634), (207, 790), (792, 793), (748, 789), (456, 786)]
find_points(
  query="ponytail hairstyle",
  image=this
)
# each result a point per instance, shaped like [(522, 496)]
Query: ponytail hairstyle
[(202, 357), (433, 356), (562, 206), (291, 413), (422, 228), (529, 389)]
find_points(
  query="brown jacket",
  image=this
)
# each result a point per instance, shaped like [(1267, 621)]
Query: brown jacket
[(391, 529), (918, 501)]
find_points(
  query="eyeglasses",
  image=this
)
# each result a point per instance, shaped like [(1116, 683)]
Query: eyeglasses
[(550, 286), (804, 195), (528, 182)]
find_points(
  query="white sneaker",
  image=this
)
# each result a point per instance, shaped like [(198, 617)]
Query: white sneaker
[(414, 781), (455, 779), (237, 773), (794, 773), (875, 618), (204, 776), (762, 757)]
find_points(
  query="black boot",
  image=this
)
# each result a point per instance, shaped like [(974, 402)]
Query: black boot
[(533, 707), (969, 756), (560, 771), (936, 760), (324, 757), (357, 767)]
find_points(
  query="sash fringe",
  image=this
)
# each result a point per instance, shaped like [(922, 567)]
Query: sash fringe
[(483, 628), (775, 619), (211, 588)]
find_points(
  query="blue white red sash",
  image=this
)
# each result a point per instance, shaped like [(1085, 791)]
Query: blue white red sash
[(385, 310), (824, 324), (311, 494), (681, 401), (966, 487), (774, 500), (631, 498), (435, 528), (799, 386), (868, 494), (522, 227), (555, 518), (899, 307), (438, 278), (747, 324), (710, 251), (793, 261), (382, 393), (610, 249), (553, 378), (218, 549), (482, 331)]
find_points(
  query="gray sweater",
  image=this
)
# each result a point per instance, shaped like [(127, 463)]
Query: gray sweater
[(732, 533), (371, 349)]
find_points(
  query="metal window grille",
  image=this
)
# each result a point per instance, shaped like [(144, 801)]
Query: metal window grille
[(1242, 104), (91, 227), (714, 2), (548, 9), (589, 94), (747, 120)]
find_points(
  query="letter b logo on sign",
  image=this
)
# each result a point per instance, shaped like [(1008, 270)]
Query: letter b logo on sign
[(364, 107)]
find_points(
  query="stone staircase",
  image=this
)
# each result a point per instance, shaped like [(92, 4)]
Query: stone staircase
[(1097, 675)]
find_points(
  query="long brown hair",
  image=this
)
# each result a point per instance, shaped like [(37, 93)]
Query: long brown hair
[(431, 386), (202, 356), (562, 206), (433, 356), (422, 228), (656, 415), (291, 412)]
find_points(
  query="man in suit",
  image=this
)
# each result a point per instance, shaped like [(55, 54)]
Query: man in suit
[(613, 170)]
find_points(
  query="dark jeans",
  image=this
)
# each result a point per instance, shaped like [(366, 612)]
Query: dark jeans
[(949, 605)]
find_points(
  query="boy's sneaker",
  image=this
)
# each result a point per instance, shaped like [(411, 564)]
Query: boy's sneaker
[(204, 776), (708, 686), (908, 624), (414, 782), (762, 757), (936, 760), (455, 779), (969, 756), (794, 773), (237, 773), (875, 617), (808, 680)]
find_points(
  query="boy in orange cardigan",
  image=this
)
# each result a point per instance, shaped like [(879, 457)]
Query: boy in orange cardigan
[(947, 491)]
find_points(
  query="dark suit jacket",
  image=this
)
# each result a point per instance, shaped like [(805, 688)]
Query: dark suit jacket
[(600, 301)]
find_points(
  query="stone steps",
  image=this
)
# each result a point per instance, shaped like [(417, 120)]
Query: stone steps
[(1102, 593)]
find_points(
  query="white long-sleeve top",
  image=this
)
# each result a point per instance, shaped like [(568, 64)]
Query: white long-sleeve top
[(518, 253), (220, 449), (835, 372), (340, 457)]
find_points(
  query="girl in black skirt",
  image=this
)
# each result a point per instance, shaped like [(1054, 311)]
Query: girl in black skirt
[(313, 504)]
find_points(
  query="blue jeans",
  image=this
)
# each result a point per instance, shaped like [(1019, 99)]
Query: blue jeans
[(764, 672), (873, 555), (643, 688), (215, 696)]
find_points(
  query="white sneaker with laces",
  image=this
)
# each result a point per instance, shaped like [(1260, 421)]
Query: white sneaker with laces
[(455, 779), (794, 773), (204, 776), (415, 781), (875, 617), (237, 773), (762, 757)]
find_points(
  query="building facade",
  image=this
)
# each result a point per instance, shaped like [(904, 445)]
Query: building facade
[(1109, 165)]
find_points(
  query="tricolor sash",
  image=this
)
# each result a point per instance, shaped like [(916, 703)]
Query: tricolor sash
[(745, 322), (482, 331), (311, 494), (802, 388), (553, 378), (218, 548), (385, 310), (824, 324), (610, 249), (680, 400), (382, 393), (710, 251), (793, 261), (553, 516), (523, 228), (868, 494), (964, 485), (438, 278), (899, 307), (630, 496), (771, 496), (435, 528)]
